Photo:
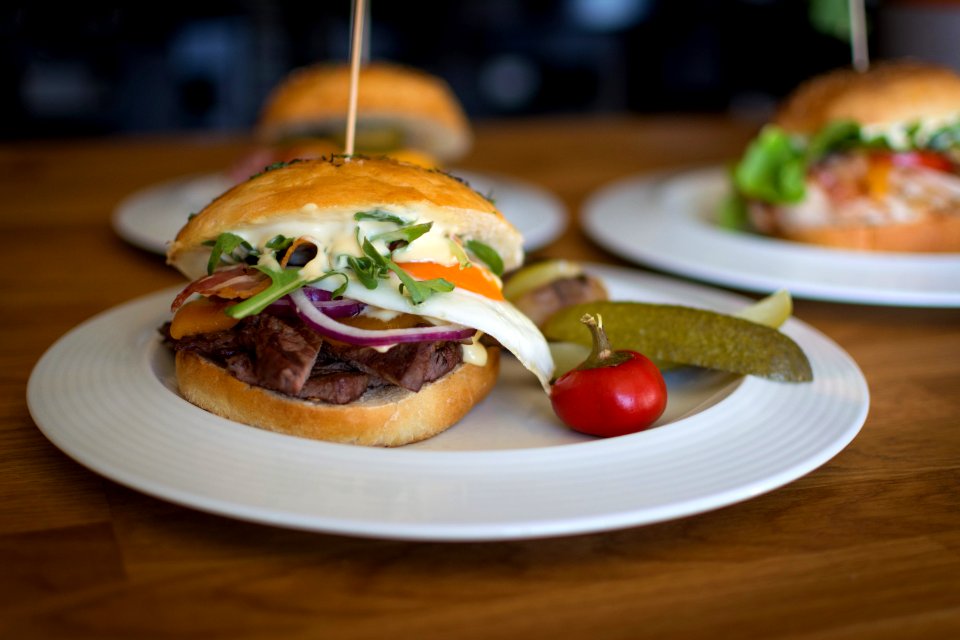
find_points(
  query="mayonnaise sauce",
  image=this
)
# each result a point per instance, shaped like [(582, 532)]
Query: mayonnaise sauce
[(897, 134), (474, 353)]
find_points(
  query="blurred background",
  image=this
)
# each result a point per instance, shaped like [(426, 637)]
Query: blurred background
[(89, 69)]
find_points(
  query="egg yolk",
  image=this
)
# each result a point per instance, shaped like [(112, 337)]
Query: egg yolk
[(472, 278)]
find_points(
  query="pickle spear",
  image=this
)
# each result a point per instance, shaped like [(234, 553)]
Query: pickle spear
[(684, 335)]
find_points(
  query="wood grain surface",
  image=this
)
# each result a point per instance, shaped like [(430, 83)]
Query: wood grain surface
[(867, 546)]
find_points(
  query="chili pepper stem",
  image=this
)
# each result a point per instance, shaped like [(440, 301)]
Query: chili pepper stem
[(601, 354)]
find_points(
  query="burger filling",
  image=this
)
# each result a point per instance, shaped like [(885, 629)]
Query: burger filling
[(281, 353), (846, 175), (328, 321)]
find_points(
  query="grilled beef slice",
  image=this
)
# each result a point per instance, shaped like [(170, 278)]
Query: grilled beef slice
[(285, 355), (284, 352)]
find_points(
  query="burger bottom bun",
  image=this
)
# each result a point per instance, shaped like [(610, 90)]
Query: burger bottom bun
[(389, 416), (934, 233)]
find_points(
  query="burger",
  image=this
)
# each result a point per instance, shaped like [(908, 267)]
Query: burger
[(348, 299), (402, 112), (858, 160)]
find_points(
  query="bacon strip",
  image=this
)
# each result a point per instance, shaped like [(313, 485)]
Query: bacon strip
[(236, 282)]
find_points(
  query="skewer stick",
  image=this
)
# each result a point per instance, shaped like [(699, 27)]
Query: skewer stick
[(858, 35), (356, 53)]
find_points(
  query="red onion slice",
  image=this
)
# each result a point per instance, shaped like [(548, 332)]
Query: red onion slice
[(316, 295), (322, 324), (343, 308)]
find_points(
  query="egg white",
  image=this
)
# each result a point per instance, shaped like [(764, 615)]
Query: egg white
[(496, 318)]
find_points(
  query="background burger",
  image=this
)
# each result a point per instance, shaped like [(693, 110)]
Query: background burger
[(344, 299), (859, 160), (402, 112)]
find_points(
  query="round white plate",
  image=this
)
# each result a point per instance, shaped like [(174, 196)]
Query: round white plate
[(665, 221), (105, 395), (150, 218)]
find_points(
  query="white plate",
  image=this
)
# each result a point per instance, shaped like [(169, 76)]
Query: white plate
[(105, 395), (150, 218), (665, 221)]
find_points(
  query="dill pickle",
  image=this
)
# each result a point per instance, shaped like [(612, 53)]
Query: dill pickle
[(688, 336)]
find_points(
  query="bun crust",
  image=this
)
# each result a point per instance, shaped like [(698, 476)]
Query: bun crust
[(889, 93), (421, 105), (388, 417), (333, 189), (931, 234)]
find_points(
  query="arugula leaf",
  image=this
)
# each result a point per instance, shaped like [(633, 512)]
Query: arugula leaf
[(376, 259), (381, 216), (225, 248), (283, 281), (279, 243), (486, 254), (404, 234), (419, 290), (366, 271), (339, 291)]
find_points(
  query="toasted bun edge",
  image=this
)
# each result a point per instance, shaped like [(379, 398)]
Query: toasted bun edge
[(386, 417), (931, 234)]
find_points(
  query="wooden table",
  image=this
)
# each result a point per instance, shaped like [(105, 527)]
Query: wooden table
[(868, 546)]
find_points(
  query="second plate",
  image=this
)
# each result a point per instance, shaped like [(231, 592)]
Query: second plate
[(666, 221)]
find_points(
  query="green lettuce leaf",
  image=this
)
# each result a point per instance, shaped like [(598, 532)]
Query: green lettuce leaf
[(773, 169)]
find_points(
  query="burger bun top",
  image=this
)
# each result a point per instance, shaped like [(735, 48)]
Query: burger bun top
[(332, 190), (890, 93), (315, 101)]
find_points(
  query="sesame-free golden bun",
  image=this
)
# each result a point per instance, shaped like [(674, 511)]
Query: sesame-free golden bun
[(889, 93), (421, 106), (333, 190), (386, 416), (929, 233)]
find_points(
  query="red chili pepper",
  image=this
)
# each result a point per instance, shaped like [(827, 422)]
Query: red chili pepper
[(611, 393)]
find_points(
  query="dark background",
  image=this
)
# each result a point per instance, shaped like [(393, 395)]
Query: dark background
[(88, 69)]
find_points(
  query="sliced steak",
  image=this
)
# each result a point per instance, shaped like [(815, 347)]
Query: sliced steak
[(409, 365), (284, 353), (338, 387), (216, 346), (242, 368)]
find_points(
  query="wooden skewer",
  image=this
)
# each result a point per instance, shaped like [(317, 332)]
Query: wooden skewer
[(356, 54), (858, 35)]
